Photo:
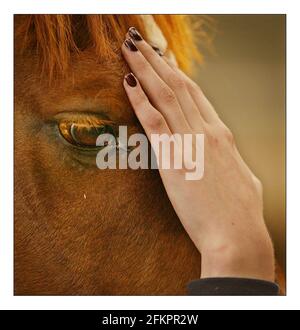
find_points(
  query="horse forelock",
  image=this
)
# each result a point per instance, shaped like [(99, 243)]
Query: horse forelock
[(55, 39)]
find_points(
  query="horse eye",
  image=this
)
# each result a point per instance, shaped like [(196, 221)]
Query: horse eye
[(84, 133)]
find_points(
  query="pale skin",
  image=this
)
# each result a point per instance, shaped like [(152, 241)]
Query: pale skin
[(223, 212)]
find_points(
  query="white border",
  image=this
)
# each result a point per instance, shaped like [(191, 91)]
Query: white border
[(289, 7)]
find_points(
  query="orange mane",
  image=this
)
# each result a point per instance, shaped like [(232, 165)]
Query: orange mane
[(55, 38)]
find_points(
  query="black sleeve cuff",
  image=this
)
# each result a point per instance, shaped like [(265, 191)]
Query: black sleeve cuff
[(232, 287)]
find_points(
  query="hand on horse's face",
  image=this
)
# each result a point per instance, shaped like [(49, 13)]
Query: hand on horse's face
[(223, 212)]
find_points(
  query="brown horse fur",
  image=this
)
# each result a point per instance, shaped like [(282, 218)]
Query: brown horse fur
[(80, 230)]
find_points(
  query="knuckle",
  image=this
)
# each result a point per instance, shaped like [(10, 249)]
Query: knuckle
[(141, 65), (224, 133), (140, 101), (212, 138), (175, 81), (166, 95), (154, 120)]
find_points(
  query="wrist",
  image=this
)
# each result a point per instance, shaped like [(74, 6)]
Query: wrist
[(241, 259)]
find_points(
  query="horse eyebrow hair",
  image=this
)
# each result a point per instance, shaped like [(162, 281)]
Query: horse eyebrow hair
[(86, 113), (92, 120)]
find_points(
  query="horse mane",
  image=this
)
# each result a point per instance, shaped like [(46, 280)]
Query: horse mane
[(56, 38)]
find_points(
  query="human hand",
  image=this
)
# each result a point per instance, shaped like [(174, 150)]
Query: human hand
[(222, 212)]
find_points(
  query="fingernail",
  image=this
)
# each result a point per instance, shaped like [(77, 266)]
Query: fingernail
[(130, 45), (134, 34), (158, 51), (130, 79)]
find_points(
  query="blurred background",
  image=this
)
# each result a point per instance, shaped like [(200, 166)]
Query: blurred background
[(244, 78)]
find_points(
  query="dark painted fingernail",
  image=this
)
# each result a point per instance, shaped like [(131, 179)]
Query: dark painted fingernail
[(130, 45), (130, 79), (158, 51), (134, 34)]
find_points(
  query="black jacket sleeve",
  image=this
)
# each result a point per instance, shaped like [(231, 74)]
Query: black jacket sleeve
[(232, 287)]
